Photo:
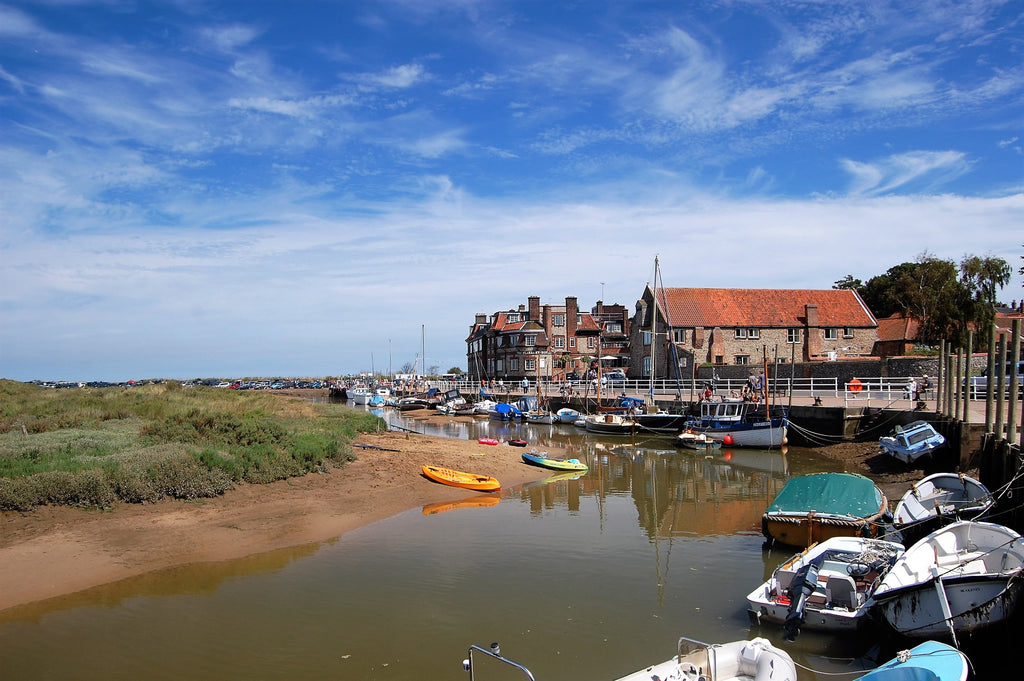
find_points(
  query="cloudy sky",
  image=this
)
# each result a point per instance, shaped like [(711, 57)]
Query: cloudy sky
[(225, 188)]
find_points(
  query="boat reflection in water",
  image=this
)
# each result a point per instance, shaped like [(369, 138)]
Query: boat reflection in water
[(591, 576)]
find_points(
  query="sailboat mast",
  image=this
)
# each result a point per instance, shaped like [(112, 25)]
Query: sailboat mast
[(654, 330)]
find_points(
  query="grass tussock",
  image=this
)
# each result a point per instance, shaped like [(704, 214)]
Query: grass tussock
[(94, 447)]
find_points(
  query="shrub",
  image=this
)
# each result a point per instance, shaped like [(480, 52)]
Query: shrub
[(181, 477)]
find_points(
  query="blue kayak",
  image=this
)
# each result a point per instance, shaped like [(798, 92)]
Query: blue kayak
[(554, 464)]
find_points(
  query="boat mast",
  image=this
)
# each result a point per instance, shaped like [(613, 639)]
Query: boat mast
[(654, 329)]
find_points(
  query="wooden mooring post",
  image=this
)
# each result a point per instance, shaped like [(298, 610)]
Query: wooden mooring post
[(1001, 467)]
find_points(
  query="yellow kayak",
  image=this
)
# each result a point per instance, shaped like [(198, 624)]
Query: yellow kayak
[(456, 478)]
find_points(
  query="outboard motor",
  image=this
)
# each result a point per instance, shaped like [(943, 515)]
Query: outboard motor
[(805, 581)]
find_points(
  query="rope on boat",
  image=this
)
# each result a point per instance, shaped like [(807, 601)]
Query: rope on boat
[(902, 656)]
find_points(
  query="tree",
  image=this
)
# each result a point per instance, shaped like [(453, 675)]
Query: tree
[(947, 301), (455, 370), (848, 282)]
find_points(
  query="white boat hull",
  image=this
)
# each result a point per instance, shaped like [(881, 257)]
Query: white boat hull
[(830, 607), (754, 660), (965, 576), (973, 603)]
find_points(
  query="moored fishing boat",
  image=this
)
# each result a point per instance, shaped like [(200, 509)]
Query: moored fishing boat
[(737, 423), (826, 587), (812, 508), (957, 580), (609, 424)]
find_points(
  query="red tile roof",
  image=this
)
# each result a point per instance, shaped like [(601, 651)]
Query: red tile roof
[(897, 328), (762, 308)]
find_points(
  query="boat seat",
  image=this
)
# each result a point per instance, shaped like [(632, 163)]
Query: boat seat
[(841, 592)]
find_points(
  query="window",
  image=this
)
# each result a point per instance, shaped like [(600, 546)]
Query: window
[(613, 327), (742, 359), (753, 333), (513, 365), (559, 320), (647, 366), (531, 339), (529, 365), (590, 342), (741, 333), (559, 342), (646, 337), (792, 335), (513, 317), (678, 335), (719, 359), (847, 332), (572, 342), (831, 334), (499, 366)]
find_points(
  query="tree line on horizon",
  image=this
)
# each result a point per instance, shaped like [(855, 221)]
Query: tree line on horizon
[(947, 299)]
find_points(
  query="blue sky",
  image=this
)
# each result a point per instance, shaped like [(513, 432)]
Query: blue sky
[(212, 188)]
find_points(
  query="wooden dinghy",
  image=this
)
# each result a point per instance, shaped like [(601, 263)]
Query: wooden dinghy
[(449, 476), (554, 464)]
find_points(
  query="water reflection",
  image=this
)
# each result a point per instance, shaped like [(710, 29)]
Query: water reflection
[(579, 576)]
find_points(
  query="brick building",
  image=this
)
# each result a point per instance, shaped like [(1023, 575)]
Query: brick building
[(546, 342), (718, 326)]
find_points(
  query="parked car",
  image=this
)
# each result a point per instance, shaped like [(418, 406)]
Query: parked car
[(979, 384), (615, 377)]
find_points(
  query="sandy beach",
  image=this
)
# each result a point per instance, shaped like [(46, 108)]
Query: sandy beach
[(54, 551)]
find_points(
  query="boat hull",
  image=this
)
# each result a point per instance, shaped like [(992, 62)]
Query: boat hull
[(972, 568), (852, 562), (660, 423), (555, 464), (448, 476), (975, 603), (759, 434), (609, 424), (929, 660), (807, 528)]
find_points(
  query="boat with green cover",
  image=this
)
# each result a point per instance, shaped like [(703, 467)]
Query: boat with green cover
[(813, 508)]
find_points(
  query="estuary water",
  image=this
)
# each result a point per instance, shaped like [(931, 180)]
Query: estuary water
[(578, 578)]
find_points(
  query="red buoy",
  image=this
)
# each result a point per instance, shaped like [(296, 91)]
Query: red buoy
[(727, 440)]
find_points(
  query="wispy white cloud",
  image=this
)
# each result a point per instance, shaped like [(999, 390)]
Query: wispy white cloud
[(930, 169)]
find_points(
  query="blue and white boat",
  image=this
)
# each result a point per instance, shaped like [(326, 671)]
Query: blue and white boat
[(737, 423), (910, 442), (931, 661)]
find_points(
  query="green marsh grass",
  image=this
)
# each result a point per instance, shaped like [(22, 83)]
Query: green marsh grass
[(92, 447)]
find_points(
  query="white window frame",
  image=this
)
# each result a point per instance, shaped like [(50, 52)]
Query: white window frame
[(558, 320), (742, 359), (753, 334), (831, 333), (793, 336), (740, 334), (847, 332), (646, 335), (529, 365)]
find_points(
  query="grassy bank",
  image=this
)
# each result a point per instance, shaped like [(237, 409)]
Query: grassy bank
[(94, 447)]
